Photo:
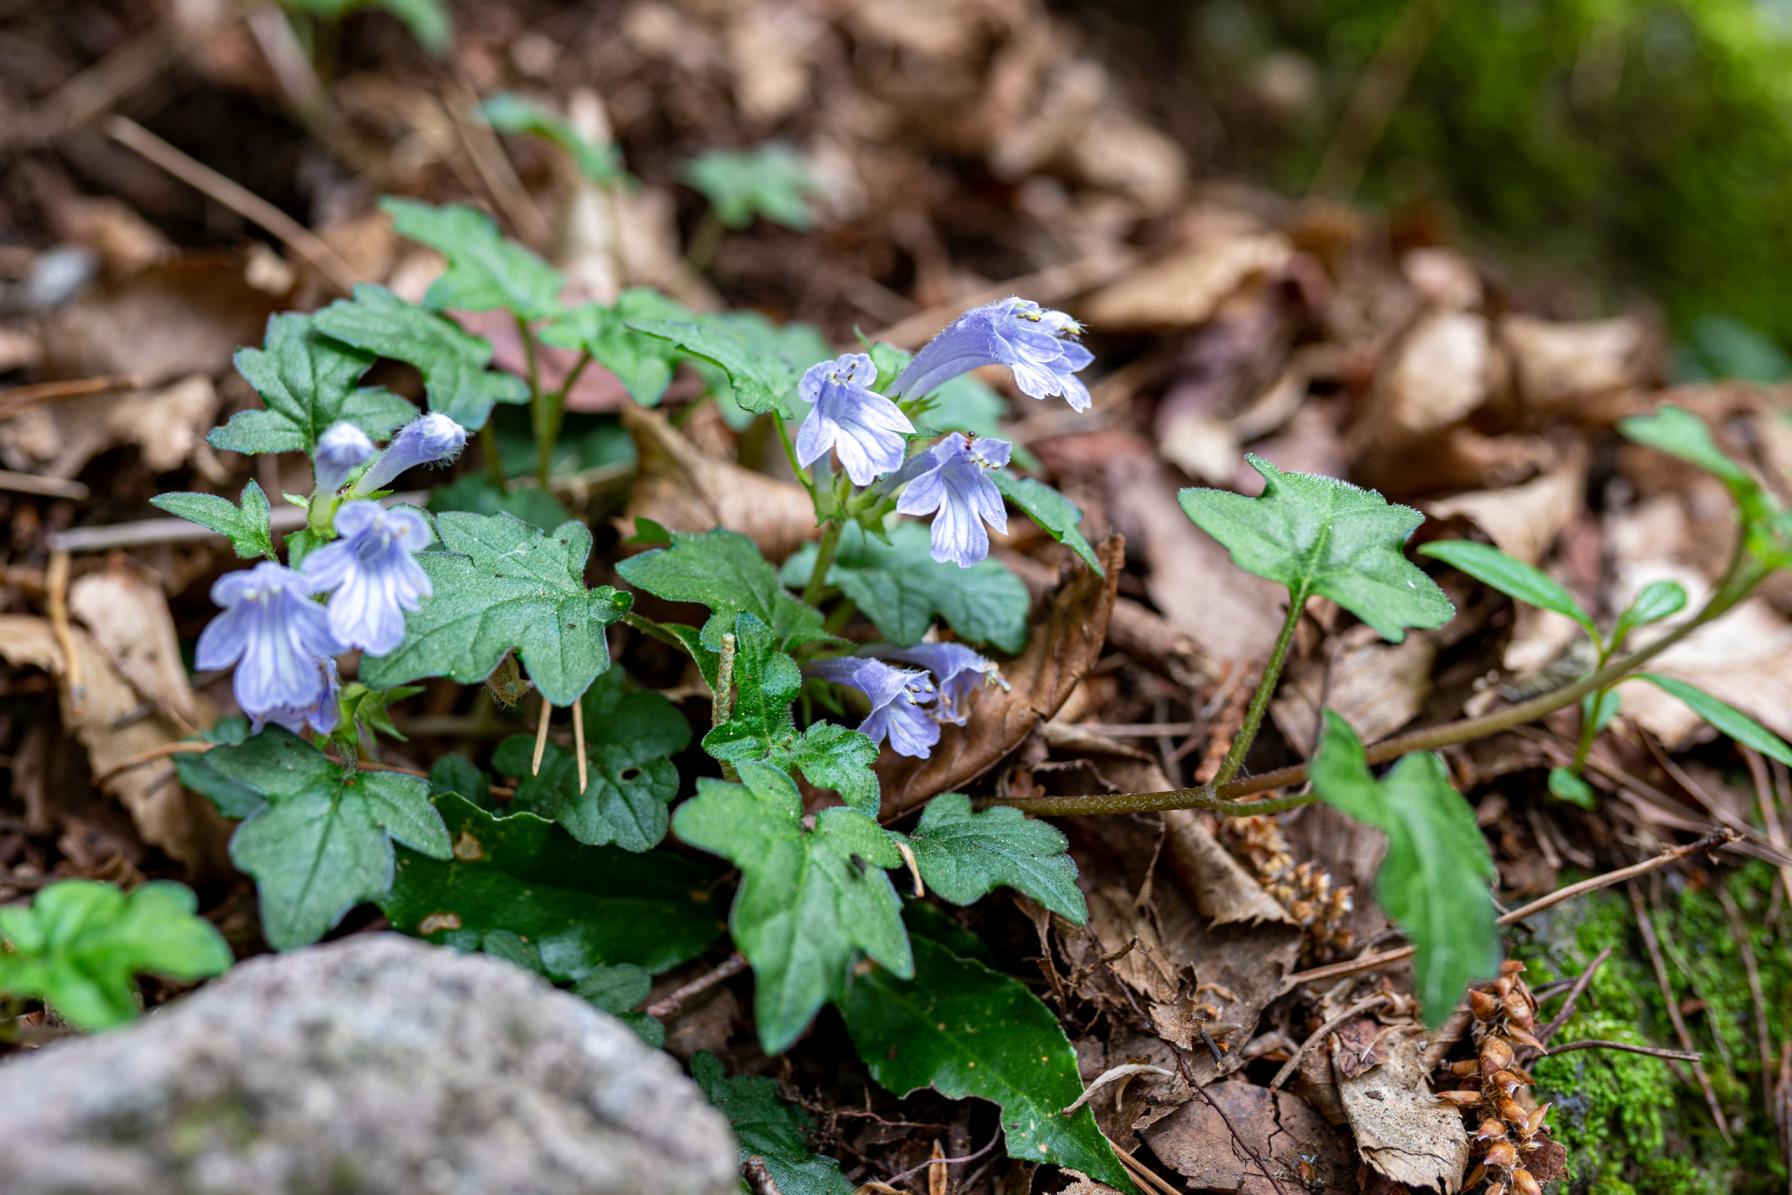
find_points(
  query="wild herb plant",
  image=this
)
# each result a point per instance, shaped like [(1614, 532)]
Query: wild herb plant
[(572, 874)]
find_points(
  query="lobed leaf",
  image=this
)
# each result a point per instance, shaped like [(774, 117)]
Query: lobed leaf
[(1512, 577), (724, 571), (307, 381), (770, 181), (511, 113), (1057, 515), (763, 377), (768, 1128), (246, 526), (964, 856), (642, 362), (486, 272)]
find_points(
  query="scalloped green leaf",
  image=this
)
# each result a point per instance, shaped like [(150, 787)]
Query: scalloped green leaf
[(246, 526), (307, 381), (769, 181), (1056, 515), (770, 1129), (600, 163), (486, 272), (965, 855), (763, 377), (724, 571), (642, 362)]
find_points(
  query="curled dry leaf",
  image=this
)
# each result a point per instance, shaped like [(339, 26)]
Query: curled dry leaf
[(1184, 286), (1562, 366), (129, 620), (167, 425), (1254, 1141), (1062, 646), (1402, 1130)]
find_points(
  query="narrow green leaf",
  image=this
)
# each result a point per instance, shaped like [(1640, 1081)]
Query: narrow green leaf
[(770, 181), (80, 945), (1512, 577), (1724, 716), (246, 526), (964, 856), (485, 271), (579, 905), (1655, 601), (965, 1030), (452, 362), (810, 901), (722, 569), (500, 584), (1565, 785), (1678, 432), (307, 382), (763, 378), (1434, 880), (322, 842), (902, 589), (643, 363), (511, 113), (768, 1128), (1061, 518), (1318, 535)]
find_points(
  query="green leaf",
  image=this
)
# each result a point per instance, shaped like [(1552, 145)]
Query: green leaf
[(1318, 535), (1655, 601), (511, 113), (1565, 785), (642, 362), (452, 362), (1434, 880), (485, 271), (902, 589), (965, 1030), (1724, 716), (501, 584), (245, 526), (1059, 517), (1678, 432), (617, 990), (768, 1128), (1601, 708), (1512, 577), (631, 779), (723, 570), (831, 756), (232, 798), (477, 494), (322, 842), (81, 944), (770, 181), (307, 381), (809, 901), (763, 377), (964, 856), (579, 905), (366, 712)]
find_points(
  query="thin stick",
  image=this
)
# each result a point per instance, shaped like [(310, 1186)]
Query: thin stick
[(1574, 993), (678, 997), (239, 199), (541, 737), (943, 1162), (1646, 928), (56, 584), (1108, 1076), (1651, 1051), (1757, 995), (148, 757), (19, 399), (1357, 1009), (578, 741), (43, 487)]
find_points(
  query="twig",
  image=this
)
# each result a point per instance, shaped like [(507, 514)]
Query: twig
[(1143, 1174), (1770, 814), (914, 1170), (1574, 993), (1108, 1076), (237, 198), (43, 487), (19, 399), (1647, 929), (56, 599), (678, 997), (1757, 996), (1652, 1051), (1357, 1009)]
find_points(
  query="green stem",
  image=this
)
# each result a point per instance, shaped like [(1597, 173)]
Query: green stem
[(1589, 728), (488, 446), (1266, 685), (802, 474), (704, 242), (824, 561), (550, 417)]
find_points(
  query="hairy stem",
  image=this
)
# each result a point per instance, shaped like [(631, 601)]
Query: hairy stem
[(824, 561), (801, 473), (1266, 685), (488, 446)]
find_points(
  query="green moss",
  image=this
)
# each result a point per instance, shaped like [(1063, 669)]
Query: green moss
[(1629, 1123)]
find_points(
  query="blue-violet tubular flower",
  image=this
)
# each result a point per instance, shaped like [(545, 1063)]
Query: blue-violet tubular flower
[(427, 440), (1037, 344), (848, 416), (373, 572), (341, 450), (958, 672), (950, 478), (281, 643), (897, 697)]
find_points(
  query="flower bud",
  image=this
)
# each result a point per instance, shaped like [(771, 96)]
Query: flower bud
[(341, 450), (428, 440)]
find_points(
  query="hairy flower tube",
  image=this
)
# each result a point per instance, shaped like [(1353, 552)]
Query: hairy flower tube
[(341, 450), (374, 573), (898, 697), (950, 478), (281, 643), (863, 427), (958, 672), (431, 439), (1038, 346)]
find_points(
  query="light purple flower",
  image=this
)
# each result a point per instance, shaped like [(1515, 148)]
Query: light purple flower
[(427, 440), (1037, 344), (950, 478), (862, 426), (373, 572), (341, 450), (897, 696), (958, 672), (281, 643)]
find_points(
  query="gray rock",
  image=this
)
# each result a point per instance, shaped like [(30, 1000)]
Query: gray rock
[(374, 1066)]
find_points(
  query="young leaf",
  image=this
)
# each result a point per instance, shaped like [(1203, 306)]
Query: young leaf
[(1565, 785), (831, 756), (723, 570), (511, 113), (902, 589), (1725, 717), (1434, 880), (1514, 578), (764, 379), (1318, 535), (578, 905), (501, 584), (964, 856), (232, 798), (452, 362), (1060, 517), (643, 363), (965, 1030), (1655, 601), (322, 842), (307, 382), (1678, 432), (770, 181), (810, 900), (631, 779), (769, 1129), (245, 526), (426, 19), (81, 944), (485, 271)]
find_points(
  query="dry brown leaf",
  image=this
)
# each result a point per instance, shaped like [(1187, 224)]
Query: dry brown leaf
[(167, 425), (1223, 891), (1401, 1128), (1438, 374), (1524, 520), (1559, 366), (1374, 685), (1063, 644), (129, 620), (112, 726), (1184, 286), (1253, 1140)]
